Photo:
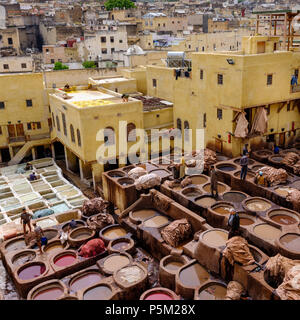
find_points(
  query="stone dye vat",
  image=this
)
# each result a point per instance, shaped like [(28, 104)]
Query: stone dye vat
[(156, 222), (116, 174), (49, 290), (266, 231), (23, 257), (31, 270), (15, 244), (84, 280), (98, 292), (283, 216), (221, 188), (215, 237), (289, 245), (222, 208), (283, 191), (162, 173), (114, 262), (159, 294), (191, 192), (64, 259), (199, 179), (226, 167), (234, 196), (257, 204), (211, 291), (246, 219), (54, 246), (80, 235), (142, 215), (125, 181), (112, 232), (121, 245), (205, 201)]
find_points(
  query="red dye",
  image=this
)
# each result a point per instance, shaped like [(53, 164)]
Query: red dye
[(49, 294), (64, 261), (159, 296), (32, 272)]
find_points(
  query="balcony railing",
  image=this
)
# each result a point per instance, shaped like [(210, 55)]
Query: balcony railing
[(28, 138)]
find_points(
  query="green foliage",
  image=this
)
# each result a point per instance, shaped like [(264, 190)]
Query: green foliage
[(120, 4), (89, 64), (59, 66)]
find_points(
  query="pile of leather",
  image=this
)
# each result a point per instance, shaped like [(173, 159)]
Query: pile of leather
[(160, 201), (291, 158), (234, 291), (177, 232), (287, 271), (185, 182), (273, 176), (92, 248), (94, 206), (294, 198), (171, 184), (137, 172), (200, 158), (237, 250), (296, 167), (100, 221), (147, 181)]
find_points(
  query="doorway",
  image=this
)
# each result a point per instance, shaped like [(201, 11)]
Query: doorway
[(40, 152), (20, 130), (5, 155), (281, 139), (11, 131)]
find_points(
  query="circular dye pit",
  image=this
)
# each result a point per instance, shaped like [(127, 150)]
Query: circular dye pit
[(226, 167), (81, 233), (263, 153), (258, 205), (79, 223), (191, 192), (121, 244), (115, 262), (198, 179), (161, 173), (22, 258), (222, 208), (125, 181), (100, 292), (257, 167), (50, 234), (17, 244), (291, 241), (221, 188), (158, 295), (234, 196), (249, 174), (65, 260), (116, 174), (266, 231), (213, 292), (127, 169), (173, 266), (85, 280), (296, 184), (114, 232), (54, 246), (283, 191), (283, 217), (32, 271), (276, 159), (129, 275), (215, 238), (222, 158), (245, 219), (193, 276), (206, 201), (49, 294), (156, 222), (143, 214), (250, 161)]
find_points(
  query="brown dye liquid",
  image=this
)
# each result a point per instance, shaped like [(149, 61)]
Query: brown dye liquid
[(258, 205), (143, 214), (192, 194), (123, 245), (234, 197), (114, 263), (283, 219), (246, 221), (221, 188), (283, 191), (54, 247), (206, 201), (156, 222), (223, 209), (81, 235), (173, 265), (216, 238), (194, 275), (213, 292), (291, 242), (114, 233), (267, 232), (198, 179), (98, 293)]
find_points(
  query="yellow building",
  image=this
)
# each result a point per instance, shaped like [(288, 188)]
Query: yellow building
[(24, 117)]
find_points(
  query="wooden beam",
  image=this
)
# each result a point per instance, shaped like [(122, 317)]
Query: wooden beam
[(283, 104)]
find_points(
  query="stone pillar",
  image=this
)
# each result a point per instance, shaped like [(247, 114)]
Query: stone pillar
[(53, 151), (33, 152), (97, 170)]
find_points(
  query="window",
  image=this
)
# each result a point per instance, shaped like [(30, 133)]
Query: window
[(52, 60), (112, 39), (2, 105), (112, 50), (220, 78), (10, 40), (154, 83), (0, 130), (109, 136), (23, 65), (28, 125), (72, 133), (131, 134), (164, 24), (189, 46), (53, 120), (104, 51), (5, 66), (159, 24), (179, 124), (47, 50), (103, 39), (57, 123), (269, 79), (204, 120), (64, 124), (38, 125), (29, 103), (219, 114), (120, 41), (173, 22), (78, 138), (203, 48), (201, 74)]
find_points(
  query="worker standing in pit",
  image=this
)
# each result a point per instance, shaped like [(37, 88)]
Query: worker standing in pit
[(213, 182)]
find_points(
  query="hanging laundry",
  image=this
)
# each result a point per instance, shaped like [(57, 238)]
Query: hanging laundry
[(241, 129), (260, 122)]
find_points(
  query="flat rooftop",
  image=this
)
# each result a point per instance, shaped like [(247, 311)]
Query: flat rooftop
[(153, 103), (111, 80)]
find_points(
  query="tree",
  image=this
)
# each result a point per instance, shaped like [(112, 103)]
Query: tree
[(120, 4), (89, 64), (59, 66)]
